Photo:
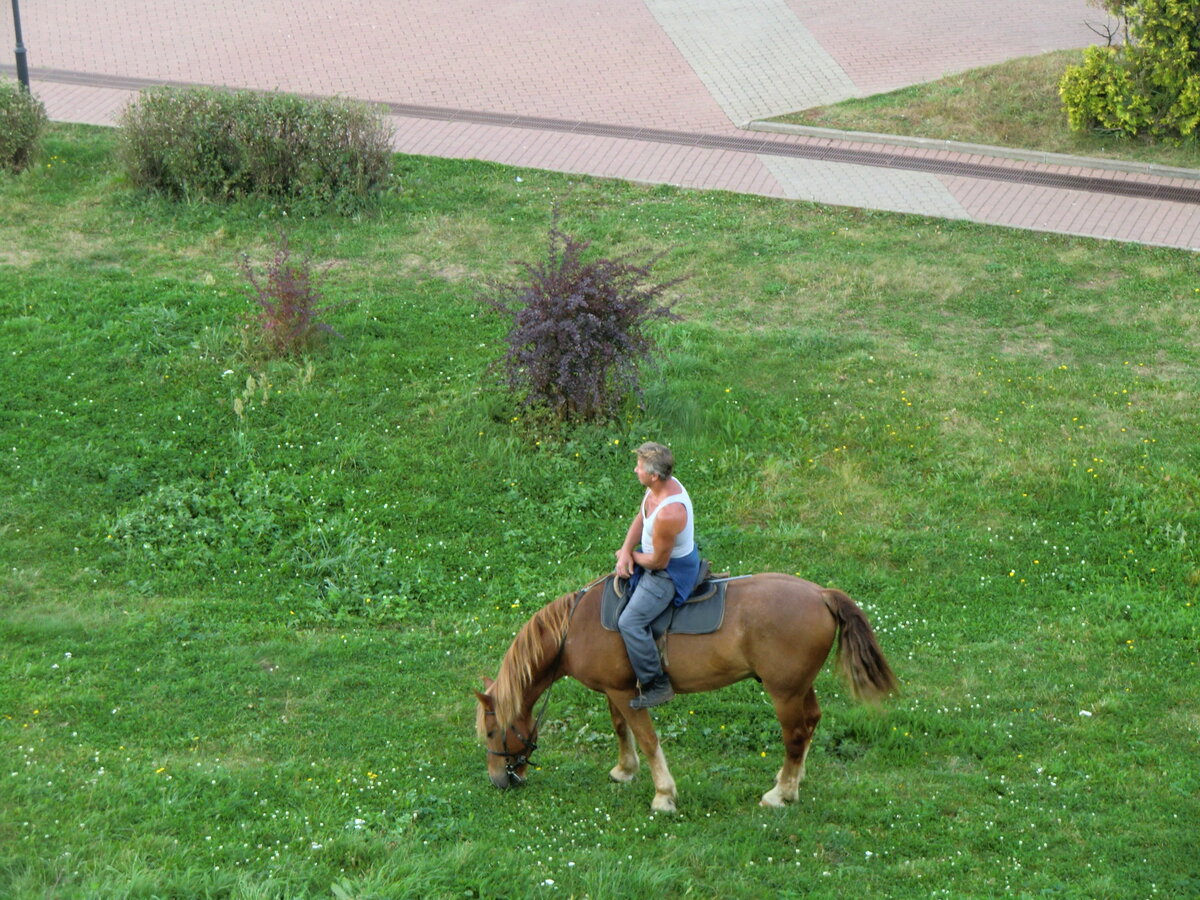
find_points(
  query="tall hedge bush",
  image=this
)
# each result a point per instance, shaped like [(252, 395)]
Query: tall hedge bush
[(22, 123), (206, 144), (1149, 85)]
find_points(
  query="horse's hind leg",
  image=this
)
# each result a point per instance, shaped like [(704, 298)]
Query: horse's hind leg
[(799, 715), (627, 758)]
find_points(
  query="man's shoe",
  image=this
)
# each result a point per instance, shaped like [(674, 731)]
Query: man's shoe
[(656, 693)]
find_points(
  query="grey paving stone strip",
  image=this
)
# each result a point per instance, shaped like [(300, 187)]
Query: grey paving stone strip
[(846, 184), (755, 56)]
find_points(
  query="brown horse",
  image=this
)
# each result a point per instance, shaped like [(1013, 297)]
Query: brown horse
[(777, 628)]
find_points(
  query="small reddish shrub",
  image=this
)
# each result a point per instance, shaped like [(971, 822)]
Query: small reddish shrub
[(288, 319)]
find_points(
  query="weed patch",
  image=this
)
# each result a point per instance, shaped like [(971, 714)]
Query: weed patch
[(290, 312)]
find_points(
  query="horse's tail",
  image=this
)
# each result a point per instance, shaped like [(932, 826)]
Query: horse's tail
[(860, 659)]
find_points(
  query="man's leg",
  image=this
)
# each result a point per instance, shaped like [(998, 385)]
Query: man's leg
[(654, 593)]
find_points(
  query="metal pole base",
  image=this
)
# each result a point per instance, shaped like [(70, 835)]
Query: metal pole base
[(22, 65), (22, 68)]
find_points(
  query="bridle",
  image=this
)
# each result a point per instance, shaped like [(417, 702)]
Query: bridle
[(515, 760)]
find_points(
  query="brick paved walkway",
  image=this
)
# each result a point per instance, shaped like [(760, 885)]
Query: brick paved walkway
[(698, 68)]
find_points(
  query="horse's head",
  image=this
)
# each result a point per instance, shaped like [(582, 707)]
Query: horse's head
[(509, 744)]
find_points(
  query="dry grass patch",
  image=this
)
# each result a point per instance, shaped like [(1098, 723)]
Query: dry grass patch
[(411, 263), (18, 258), (1104, 281), (459, 248)]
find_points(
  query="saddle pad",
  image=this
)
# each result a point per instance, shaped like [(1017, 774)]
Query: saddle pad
[(699, 617)]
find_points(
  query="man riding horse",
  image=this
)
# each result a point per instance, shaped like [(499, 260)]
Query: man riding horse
[(660, 559), (778, 629)]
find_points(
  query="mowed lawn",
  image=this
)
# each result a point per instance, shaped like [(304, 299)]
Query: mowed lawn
[(245, 602), (1013, 104)]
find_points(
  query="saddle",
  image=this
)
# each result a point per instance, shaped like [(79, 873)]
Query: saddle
[(702, 612)]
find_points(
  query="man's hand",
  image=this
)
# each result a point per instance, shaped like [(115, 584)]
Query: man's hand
[(624, 563)]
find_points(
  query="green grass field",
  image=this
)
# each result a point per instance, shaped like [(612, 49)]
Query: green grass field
[(244, 604), (1012, 104)]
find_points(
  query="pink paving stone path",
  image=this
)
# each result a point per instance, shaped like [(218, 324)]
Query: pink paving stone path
[(605, 62), (598, 60), (922, 40)]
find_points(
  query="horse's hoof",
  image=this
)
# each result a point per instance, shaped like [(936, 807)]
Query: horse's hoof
[(663, 804), (621, 776), (773, 799)]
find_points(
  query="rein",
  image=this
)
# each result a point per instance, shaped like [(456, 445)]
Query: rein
[(513, 761)]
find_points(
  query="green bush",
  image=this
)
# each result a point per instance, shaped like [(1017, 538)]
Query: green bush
[(1102, 94), (1150, 85), (205, 144), (22, 123)]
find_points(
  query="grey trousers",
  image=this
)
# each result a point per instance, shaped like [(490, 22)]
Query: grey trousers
[(655, 591)]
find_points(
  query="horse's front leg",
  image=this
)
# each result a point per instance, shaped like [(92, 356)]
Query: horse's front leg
[(647, 739), (627, 758)]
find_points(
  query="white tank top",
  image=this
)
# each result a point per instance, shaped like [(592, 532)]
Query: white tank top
[(685, 541)]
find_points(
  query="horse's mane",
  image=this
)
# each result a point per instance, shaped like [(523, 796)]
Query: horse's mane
[(538, 638)]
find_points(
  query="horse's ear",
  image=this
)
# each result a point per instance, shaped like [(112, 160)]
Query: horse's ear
[(484, 700), (487, 683)]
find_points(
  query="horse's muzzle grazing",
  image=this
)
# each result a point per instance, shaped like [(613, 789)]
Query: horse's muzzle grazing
[(506, 779)]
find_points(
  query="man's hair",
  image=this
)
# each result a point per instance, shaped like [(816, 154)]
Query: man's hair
[(657, 459)]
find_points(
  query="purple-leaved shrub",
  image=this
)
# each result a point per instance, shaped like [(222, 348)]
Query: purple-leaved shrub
[(578, 335)]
